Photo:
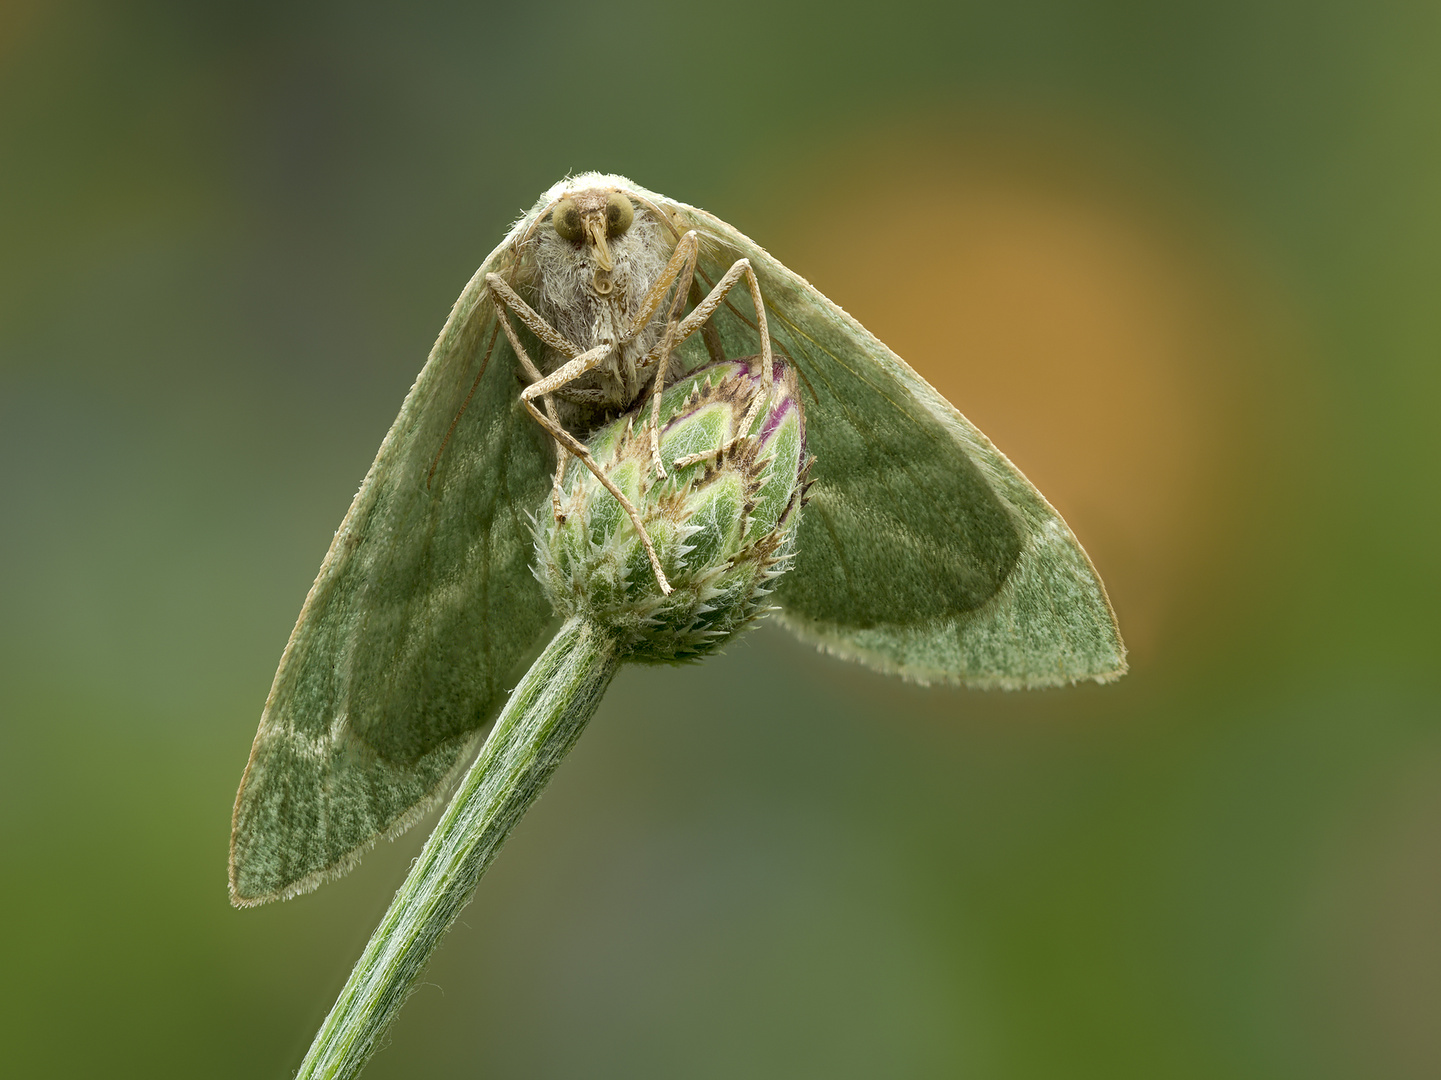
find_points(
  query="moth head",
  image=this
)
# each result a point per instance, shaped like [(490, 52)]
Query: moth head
[(590, 220)]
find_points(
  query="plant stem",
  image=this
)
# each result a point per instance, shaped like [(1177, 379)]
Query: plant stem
[(540, 723)]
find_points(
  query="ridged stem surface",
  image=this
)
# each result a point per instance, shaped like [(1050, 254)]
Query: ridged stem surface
[(540, 723)]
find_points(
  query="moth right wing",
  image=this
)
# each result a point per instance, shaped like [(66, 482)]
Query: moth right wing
[(420, 620), (922, 550)]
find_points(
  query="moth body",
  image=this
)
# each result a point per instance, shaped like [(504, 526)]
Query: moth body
[(591, 305), (599, 312)]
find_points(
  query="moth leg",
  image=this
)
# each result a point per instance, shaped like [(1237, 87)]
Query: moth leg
[(560, 460), (543, 386), (685, 253), (703, 311), (682, 260), (534, 375), (708, 332), (657, 388), (587, 361), (568, 372), (504, 294)]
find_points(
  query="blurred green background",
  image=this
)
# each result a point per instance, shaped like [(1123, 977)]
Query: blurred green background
[(1182, 262)]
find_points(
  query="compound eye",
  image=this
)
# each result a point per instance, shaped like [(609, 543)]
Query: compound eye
[(567, 221), (619, 213)]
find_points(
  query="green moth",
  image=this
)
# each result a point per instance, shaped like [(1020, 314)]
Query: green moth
[(922, 551)]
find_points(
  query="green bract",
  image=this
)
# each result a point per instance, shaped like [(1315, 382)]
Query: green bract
[(723, 529)]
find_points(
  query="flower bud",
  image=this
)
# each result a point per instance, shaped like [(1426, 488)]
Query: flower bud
[(723, 528)]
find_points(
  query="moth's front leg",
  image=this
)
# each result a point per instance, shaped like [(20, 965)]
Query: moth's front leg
[(588, 361), (503, 294), (543, 386), (502, 298), (741, 268), (680, 271)]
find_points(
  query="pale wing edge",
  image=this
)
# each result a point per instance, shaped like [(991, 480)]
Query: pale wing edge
[(471, 301), (1043, 530), (465, 755), (992, 648)]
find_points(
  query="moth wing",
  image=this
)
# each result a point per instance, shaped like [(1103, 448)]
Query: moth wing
[(922, 551), (419, 621)]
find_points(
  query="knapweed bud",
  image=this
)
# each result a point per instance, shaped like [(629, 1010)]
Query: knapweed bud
[(723, 528)]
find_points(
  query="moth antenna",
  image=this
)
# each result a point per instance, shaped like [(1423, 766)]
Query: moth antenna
[(530, 232), (656, 211)]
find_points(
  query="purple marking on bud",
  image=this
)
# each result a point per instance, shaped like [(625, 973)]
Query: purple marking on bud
[(774, 419)]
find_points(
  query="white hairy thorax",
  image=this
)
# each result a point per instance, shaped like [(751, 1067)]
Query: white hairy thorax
[(566, 296)]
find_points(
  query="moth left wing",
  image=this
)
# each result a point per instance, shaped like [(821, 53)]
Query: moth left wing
[(419, 622), (922, 551)]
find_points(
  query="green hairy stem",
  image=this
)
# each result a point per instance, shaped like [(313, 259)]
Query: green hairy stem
[(540, 723)]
